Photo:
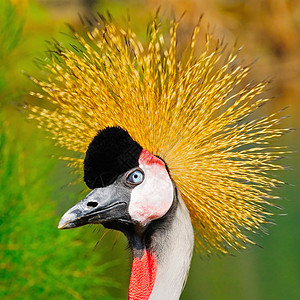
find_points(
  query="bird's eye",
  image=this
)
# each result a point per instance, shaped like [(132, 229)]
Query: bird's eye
[(136, 177)]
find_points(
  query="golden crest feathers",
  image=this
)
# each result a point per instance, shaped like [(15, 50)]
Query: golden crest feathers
[(189, 110)]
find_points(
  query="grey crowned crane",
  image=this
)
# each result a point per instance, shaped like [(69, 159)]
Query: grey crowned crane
[(171, 155), (132, 192)]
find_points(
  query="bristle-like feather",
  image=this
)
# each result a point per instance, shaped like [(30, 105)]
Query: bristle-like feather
[(188, 110)]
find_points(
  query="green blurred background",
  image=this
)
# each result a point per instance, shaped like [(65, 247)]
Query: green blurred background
[(37, 261)]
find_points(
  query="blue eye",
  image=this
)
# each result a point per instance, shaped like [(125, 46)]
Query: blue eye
[(136, 177)]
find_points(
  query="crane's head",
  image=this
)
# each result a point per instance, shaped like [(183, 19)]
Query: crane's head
[(197, 111), (130, 186)]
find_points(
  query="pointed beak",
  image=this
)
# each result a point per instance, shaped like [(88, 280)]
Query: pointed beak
[(101, 205)]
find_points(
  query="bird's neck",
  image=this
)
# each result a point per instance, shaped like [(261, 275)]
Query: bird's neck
[(162, 259)]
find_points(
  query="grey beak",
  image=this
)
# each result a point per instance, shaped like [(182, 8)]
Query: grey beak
[(101, 205)]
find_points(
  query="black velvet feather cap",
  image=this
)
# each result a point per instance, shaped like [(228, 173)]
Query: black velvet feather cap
[(111, 153)]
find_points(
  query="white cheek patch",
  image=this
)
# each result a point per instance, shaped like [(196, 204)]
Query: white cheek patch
[(154, 196)]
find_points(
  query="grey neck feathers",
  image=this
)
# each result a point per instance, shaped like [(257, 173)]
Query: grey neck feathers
[(174, 249)]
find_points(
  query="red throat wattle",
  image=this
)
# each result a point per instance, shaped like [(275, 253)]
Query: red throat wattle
[(143, 275)]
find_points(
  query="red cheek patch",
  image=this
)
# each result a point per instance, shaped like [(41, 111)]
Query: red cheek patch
[(142, 277), (147, 158)]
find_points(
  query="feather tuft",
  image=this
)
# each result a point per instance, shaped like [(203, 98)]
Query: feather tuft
[(190, 110)]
